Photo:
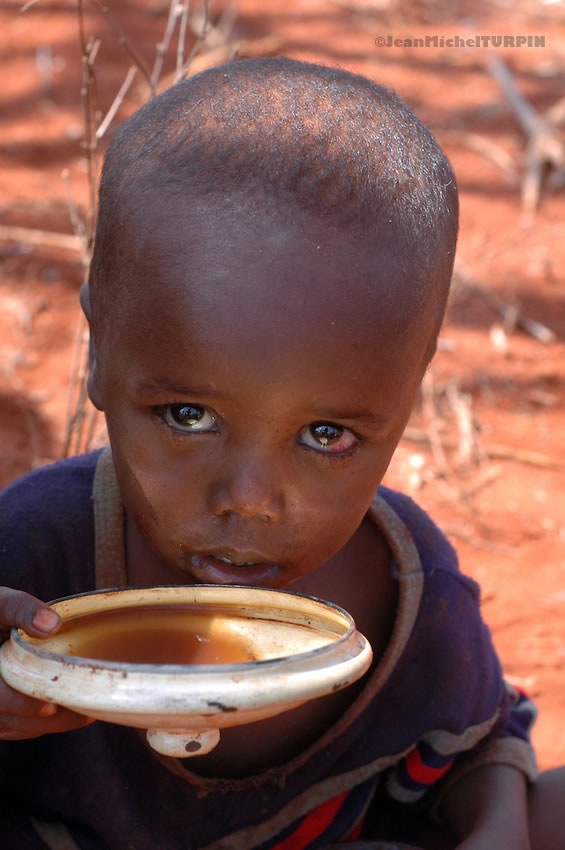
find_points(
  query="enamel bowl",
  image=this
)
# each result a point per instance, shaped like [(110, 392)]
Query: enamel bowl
[(298, 648)]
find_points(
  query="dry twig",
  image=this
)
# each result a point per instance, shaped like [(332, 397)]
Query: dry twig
[(89, 49), (485, 147), (117, 102), (182, 40), (556, 113), (266, 46), (511, 314), (31, 236), (124, 40), (78, 394), (468, 450), (433, 421), (76, 397), (77, 414), (491, 452), (465, 534), (163, 46), (27, 6), (545, 150)]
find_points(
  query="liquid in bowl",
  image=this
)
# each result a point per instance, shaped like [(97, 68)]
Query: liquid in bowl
[(152, 634)]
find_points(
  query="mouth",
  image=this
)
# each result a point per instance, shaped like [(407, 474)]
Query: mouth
[(243, 568)]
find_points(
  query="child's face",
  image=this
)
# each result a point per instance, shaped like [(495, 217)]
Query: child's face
[(255, 387)]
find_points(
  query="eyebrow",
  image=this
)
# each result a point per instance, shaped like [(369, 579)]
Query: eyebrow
[(163, 385)]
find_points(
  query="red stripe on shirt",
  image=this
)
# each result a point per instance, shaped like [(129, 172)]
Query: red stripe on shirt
[(314, 824), (420, 772), (355, 832)]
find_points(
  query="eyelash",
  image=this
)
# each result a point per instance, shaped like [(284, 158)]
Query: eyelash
[(332, 458), (161, 410), (336, 459)]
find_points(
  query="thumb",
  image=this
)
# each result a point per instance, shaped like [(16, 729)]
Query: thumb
[(24, 611)]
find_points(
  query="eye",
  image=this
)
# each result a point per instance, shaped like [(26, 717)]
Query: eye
[(187, 417), (328, 438)]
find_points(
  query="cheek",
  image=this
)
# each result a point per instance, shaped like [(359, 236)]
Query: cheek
[(157, 480), (156, 491), (137, 497), (326, 521)]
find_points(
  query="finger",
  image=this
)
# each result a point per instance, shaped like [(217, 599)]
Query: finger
[(26, 612), (21, 728), (15, 704)]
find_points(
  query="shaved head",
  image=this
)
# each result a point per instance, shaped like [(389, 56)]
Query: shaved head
[(286, 136)]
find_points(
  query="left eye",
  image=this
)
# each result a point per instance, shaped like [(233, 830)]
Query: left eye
[(187, 417), (327, 437)]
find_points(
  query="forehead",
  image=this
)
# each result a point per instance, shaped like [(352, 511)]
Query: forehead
[(260, 277)]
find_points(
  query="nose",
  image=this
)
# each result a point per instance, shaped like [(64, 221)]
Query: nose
[(246, 486)]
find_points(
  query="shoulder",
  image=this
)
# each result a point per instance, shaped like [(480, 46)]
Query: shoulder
[(449, 650), (46, 522), (72, 468), (437, 555), (52, 493), (449, 597)]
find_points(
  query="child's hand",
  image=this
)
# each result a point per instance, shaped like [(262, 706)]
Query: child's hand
[(21, 716)]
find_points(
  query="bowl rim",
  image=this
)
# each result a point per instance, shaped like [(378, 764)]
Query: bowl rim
[(131, 667)]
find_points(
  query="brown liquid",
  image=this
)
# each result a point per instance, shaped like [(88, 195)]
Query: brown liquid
[(152, 634)]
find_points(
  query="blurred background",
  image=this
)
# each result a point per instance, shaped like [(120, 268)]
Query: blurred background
[(484, 452)]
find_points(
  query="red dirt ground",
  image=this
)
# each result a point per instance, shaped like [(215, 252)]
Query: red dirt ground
[(503, 500)]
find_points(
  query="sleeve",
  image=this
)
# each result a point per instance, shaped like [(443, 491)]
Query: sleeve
[(432, 766), (449, 687)]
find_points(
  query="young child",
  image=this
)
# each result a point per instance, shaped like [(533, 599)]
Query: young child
[(272, 261)]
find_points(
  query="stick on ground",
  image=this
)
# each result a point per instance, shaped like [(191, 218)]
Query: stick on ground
[(545, 147)]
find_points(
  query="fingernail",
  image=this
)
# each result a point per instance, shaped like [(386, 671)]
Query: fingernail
[(48, 709), (45, 620)]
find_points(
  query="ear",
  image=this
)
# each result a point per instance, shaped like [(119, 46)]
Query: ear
[(93, 384)]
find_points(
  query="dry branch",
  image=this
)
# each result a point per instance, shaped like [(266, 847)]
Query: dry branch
[(89, 49), (511, 314), (46, 238), (556, 113), (468, 449), (117, 102), (492, 452), (463, 533), (202, 34), (163, 45), (78, 415), (124, 41), (266, 46), (545, 149), (182, 40), (429, 408), (27, 6), (485, 147), (77, 390)]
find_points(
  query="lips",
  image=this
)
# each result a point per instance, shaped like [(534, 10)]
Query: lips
[(243, 568)]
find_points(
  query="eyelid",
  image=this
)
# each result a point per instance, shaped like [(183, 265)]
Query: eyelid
[(343, 453), (161, 411), (328, 455), (333, 458)]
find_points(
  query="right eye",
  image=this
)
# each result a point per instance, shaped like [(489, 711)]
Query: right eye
[(187, 417)]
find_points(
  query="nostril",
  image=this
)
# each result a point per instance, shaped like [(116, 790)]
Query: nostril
[(246, 511), (245, 499)]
